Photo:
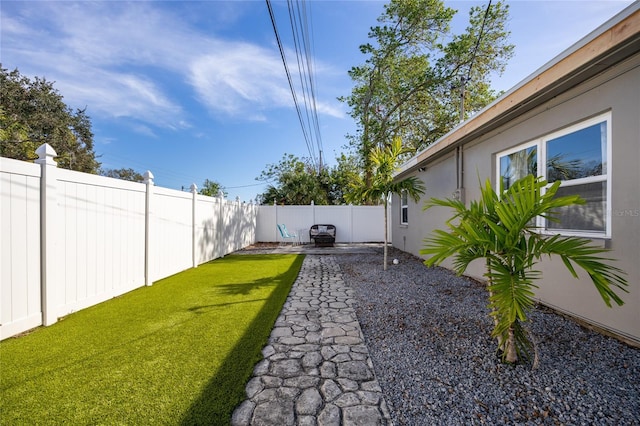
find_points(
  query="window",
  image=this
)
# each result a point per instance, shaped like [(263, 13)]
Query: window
[(404, 208), (576, 156)]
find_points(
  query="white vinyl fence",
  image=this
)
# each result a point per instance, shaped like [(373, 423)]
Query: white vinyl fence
[(70, 240), (354, 224)]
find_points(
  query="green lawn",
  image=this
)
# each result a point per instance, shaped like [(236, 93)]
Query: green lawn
[(179, 352)]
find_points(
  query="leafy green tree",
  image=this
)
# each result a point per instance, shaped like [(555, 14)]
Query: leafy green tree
[(385, 164), (296, 181), (32, 112), (501, 229), (411, 84), (211, 188), (124, 174), (344, 176)]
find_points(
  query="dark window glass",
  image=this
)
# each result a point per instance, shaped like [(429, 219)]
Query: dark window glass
[(590, 216), (578, 155)]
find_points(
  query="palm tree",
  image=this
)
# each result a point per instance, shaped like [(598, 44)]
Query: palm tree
[(385, 161), (501, 229)]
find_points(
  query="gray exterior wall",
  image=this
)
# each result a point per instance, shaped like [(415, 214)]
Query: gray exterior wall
[(617, 90)]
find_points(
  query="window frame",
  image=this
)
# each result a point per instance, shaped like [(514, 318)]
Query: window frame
[(404, 207), (541, 159)]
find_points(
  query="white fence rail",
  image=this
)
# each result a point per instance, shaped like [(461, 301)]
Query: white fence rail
[(70, 240)]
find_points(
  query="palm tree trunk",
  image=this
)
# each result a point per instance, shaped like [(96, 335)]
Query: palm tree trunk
[(511, 355), (507, 347), (493, 310)]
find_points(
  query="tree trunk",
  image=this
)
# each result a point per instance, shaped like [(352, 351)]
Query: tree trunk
[(511, 355), (489, 284)]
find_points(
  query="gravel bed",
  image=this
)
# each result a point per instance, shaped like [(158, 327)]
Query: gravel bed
[(428, 335)]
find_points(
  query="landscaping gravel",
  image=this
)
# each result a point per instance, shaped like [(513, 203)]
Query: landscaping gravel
[(427, 331)]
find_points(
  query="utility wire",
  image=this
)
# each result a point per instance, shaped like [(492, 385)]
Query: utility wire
[(286, 68), (473, 58), (308, 54), (309, 122), (475, 49), (303, 82)]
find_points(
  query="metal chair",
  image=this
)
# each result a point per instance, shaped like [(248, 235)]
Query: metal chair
[(286, 235)]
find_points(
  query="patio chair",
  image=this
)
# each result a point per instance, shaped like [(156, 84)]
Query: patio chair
[(286, 235), (323, 235)]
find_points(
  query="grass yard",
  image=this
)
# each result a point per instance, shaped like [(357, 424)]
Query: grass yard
[(179, 352)]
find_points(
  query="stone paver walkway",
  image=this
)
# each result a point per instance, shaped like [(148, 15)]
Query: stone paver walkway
[(316, 368)]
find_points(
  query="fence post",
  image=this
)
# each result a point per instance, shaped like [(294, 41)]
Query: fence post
[(194, 233), (313, 213), (148, 228), (221, 225), (274, 230), (351, 223), (49, 243)]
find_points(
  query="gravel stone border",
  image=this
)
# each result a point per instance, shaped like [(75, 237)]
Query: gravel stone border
[(427, 331)]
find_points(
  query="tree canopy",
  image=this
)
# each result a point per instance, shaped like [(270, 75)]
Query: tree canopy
[(32, 112), (124, 174), (210, 188), (413, 85), (297, 181)]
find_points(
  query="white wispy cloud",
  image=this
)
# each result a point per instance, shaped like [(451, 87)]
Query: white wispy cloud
[(117, 58), (239, 76)]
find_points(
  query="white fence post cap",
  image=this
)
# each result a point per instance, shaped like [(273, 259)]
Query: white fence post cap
[(46, 153), (148, 177)]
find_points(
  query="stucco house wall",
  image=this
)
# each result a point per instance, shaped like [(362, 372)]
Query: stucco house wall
[(470, 157)]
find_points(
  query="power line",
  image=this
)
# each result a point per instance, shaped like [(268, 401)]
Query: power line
[(473, 58), (309, 86), (309, 122), (303, 85)]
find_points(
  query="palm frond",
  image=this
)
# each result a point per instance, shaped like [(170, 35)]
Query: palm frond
[(580, 251)]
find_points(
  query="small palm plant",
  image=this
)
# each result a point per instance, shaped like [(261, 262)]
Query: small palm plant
[(501, 229), (385, 163)]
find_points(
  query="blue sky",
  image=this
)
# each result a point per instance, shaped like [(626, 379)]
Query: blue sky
[(195, 90)]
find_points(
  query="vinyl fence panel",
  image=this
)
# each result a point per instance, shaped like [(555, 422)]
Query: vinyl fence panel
[(101, 227), (20, 307), (172, 227)]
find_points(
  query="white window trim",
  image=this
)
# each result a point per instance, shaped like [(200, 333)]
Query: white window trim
[(541, 150), (404, 205)]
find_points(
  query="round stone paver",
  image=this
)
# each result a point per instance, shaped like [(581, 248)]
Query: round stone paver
[(316, 368)]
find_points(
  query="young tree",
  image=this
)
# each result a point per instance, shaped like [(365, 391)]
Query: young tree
[(385, 161), (501, 229), (32, 113), (410, 84)]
